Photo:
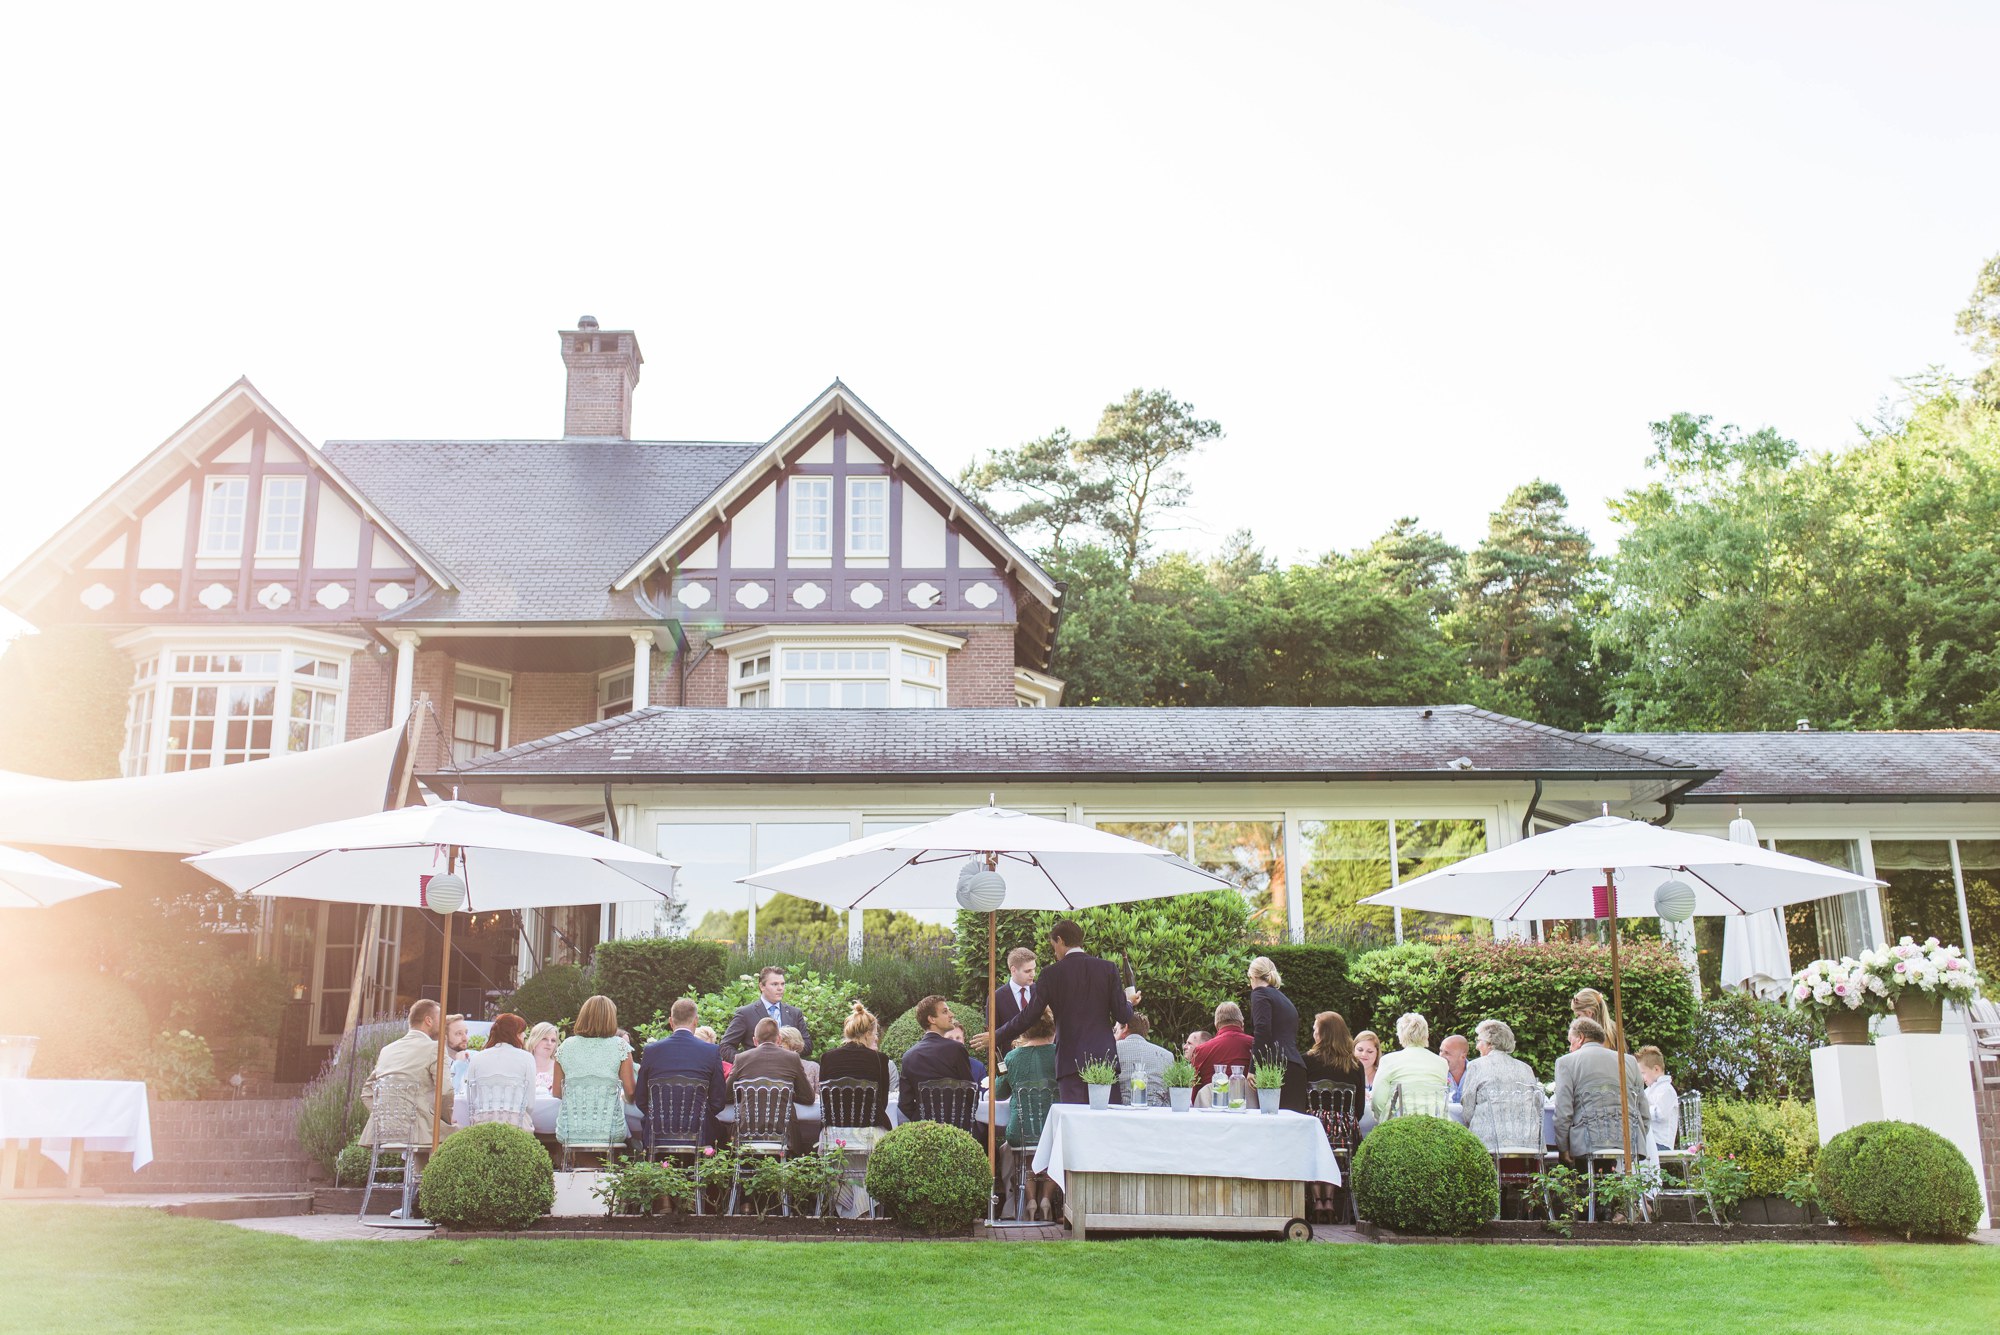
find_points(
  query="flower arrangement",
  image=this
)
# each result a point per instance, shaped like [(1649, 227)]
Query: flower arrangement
[(1939, 970), (1842, 983)]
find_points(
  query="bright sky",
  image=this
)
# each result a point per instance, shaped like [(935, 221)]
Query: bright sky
[(1408, 255)]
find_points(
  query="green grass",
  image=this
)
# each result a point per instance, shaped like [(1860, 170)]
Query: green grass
[(77, 1268)]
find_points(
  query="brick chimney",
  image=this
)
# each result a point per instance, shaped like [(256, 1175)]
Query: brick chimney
[(603, 371)]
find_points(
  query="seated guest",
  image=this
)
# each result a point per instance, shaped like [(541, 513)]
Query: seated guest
[(860, 1058), (933, 1056), (1230, 1046), (1031, 1061), (795, 1042), (457, 1050), (594, 1052), (772, 1060), (1368, 1051), (1454, 1049), (1414, 1069), (1586, 1097), (1663, 1101), (707, 1035), (541, 1044), (1331, 1057), (1590, 1004), (504, 1058), (1489, 1077), (413, 1058), (681, 1052), (1137, 1052), (957, 1035), (1195, 1038)]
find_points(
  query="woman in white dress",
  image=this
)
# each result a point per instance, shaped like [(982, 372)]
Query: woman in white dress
[(504, 1056)]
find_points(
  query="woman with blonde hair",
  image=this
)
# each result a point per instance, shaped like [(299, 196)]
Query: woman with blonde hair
[(1420, 1075), (1589, 1004), (860, 1058), (594, 1053), (1274, 1031), (792, 1039), (541, 1044)]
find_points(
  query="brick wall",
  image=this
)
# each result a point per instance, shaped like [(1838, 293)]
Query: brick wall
[(248, 1145), (1987, 1101), (371, 692), (981, 675), (708, 685), (549, 702)]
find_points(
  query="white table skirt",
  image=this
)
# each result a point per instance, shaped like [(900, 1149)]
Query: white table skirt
[(103, 1114), (1269, 1147)]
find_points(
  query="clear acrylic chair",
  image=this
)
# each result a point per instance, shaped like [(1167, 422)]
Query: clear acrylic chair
[(676, 1117), (851, 1104), (400, 1124), (498, 1098), (1680, 1180), (1027, 1113), (1333, 1103), (1605, 1153), (947, 1101), (764, 1114), (592, 1118), (1404, 1103), (1514, 1137)]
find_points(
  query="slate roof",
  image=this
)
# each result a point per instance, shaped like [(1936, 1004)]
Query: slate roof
[(780, 745), (535, 530), (1835, 766)]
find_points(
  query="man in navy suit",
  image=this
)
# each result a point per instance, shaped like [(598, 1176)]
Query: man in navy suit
[(681, 1053), (770, 1003), (1011, 995), (1084, 994), (933, 1056)]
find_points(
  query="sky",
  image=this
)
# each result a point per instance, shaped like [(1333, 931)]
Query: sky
[(1409, 256)]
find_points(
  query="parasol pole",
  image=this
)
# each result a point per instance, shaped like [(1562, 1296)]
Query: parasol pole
[(992, 1072), (1618, 1015), (444, 1009)]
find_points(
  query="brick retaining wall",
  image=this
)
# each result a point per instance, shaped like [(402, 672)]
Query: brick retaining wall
[(213, 1145), (1987, 1101)]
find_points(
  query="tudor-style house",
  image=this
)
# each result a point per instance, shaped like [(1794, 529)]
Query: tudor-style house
[(736, 654)]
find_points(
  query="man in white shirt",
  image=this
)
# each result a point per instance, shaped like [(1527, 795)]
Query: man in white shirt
[(1663, 1101)]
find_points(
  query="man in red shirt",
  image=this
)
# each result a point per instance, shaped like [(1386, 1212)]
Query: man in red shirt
[(1230, 1046)]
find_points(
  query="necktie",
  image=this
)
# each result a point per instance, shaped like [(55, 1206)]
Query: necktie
[(773, 1008), (1024, 997)]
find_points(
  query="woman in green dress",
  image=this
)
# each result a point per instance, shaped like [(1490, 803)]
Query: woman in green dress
[(1031, 1061), (594, 1052)]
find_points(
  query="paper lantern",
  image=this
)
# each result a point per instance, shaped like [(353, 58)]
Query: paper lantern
[(982, 891), (1674, 901), (444, 894)]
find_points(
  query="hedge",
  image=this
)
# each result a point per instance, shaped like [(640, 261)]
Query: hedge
[(487, 1176), (1772, 1142), (553, 996), (931, 1176), (1425, 1175), (1898, 1177), (1315, 979), (901, 1034), (1744, 1047), (645, 976)]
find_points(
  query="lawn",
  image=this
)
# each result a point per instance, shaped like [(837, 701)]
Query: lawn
[(72, 1268)]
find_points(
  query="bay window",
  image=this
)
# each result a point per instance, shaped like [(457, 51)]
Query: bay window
[(837, 667), (198, 707)]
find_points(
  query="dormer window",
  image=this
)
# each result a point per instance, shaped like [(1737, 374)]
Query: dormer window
[(281, 519), (837, 667), (868, 516), (224, 500), (812, 516)]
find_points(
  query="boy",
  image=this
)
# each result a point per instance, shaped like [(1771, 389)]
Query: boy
[(1663, 1103)]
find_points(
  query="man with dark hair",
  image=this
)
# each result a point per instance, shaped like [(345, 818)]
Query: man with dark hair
[(1138, 1053), (933, 1056), (1011, 995), (1082, 992), (770, 1005), (681, 1053)]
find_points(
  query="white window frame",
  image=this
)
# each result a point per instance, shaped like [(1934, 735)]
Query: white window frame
[(503, 703), (210, 488), (1036, 690), (608, 694), (870, 539), (903, 647), (159, 669), (265, 510), (820, 490)]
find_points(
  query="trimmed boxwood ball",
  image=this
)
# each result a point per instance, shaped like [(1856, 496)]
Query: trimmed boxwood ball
[(931, 1176), (1898, 1177), (1425, 1175), (488, 1176)]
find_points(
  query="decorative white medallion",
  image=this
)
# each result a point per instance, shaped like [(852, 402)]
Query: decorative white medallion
[(925, 595), (156, 596), (97, 597), (753, 595), (392, 596), (216, 597), (332, 596), (693, 595), (982, 596), (866, 595), (274, 596), (809, 595)]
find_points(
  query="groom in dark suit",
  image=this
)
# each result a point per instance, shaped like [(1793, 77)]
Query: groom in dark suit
[(769, 1005), (1084, 994)]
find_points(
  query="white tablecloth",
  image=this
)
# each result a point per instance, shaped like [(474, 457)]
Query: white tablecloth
[(104, 1114), (1270, 1147)]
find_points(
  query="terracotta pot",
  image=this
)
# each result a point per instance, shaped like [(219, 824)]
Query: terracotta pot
[(1919, 1012), (1846, 1028)]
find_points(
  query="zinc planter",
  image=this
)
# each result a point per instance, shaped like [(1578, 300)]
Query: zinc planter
[(1180, 1100), (1846, 1028), (1919, 1012), (1267, 1100), (1100, 1095)]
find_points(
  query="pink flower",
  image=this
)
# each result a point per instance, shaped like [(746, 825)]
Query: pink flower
[(1902, 968), (1839, 990), (708, 1151), (839, 1144)]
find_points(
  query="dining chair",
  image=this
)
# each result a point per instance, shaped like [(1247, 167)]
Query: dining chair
[(764, 1114)]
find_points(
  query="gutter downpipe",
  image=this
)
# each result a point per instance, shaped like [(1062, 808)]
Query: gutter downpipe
[(1528, 818)]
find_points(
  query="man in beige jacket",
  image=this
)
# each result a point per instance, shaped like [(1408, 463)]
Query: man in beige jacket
[(413, 1058)]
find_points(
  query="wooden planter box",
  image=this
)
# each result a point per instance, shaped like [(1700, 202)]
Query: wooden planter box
[(1182, 1203)]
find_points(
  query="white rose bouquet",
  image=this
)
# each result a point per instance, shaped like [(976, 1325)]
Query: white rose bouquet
[(1844, 983), (1938, 970)]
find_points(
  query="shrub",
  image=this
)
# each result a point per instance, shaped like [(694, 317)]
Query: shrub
[(901, 1035), (488, 1176), (1772, 1142), (351, 1169), (1743, 1047), (1316, 980), (1389, 982), (890, 984), (824, 1002), (330, 1109), (1529, 985), (176, 1066), (553, 996), (1425, 1175), (645, 976), (84, 1022), (1897, 1177), (931, 1176)]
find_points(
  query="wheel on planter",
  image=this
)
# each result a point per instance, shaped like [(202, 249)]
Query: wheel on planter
[(1298, 1230)]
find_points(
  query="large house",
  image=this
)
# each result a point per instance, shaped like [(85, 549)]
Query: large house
[(736, 653)]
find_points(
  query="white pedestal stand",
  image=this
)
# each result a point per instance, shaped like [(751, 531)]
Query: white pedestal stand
[(573, 1194), (1927, 1079), (1847, 1088)]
